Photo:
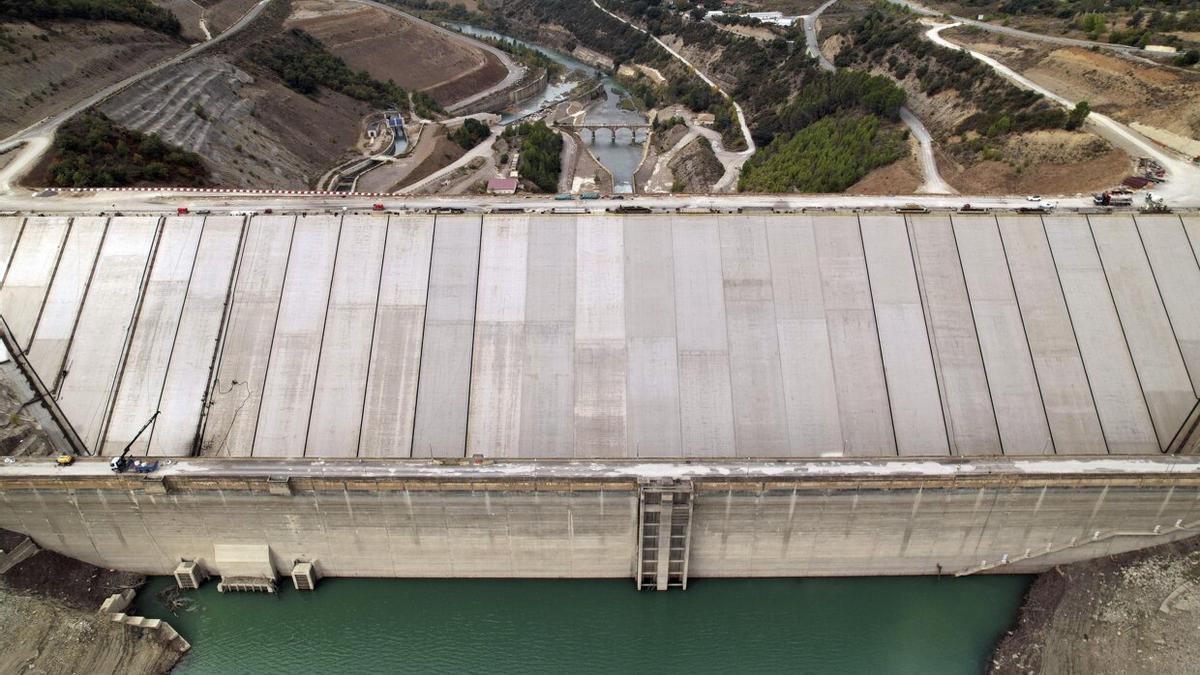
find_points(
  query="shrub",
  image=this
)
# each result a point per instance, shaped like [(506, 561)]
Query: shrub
[(90, 150)]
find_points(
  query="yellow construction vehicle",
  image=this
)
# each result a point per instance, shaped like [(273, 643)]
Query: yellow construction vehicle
[(65, 460)]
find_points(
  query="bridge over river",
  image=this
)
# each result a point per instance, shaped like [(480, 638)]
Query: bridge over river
[(611, 127)]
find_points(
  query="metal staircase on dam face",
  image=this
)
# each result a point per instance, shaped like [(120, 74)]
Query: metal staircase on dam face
[(664, 534)]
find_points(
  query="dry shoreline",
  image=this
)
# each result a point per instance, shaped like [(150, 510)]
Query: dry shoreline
[(1131, 613), (50, 623)]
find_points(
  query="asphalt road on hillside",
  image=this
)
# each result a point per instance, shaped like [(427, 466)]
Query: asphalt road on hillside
[(932, 181), (37, 136)]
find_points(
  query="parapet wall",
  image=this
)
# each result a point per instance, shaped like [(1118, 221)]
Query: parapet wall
[(534, 526)]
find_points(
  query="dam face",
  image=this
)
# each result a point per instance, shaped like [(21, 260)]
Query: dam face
[(656, 396), (591, 520)]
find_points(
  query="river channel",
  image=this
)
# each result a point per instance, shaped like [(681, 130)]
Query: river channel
[(620, 157), (856, 625)]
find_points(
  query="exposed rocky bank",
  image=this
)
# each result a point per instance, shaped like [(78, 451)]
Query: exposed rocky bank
[(49, 621), (1137, 612)]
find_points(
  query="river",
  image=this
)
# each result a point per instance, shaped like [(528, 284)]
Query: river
[(854, 625), (622, 157)]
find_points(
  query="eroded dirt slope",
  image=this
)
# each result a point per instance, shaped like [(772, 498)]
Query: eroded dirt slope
[(390, 47), (1129, 90)]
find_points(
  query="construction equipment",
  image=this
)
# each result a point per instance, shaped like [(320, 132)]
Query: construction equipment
[(120, 463), (65, 460), (1153, 205)]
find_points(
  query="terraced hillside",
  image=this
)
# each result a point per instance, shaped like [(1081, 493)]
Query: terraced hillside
[(250, 129)]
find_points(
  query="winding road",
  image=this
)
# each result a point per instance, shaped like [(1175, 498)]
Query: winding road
[(1184, 177), (732, 161), (36, 137), (1016, 32), (933, 183)]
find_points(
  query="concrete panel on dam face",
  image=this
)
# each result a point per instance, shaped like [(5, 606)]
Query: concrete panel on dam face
[(296, 349), (548, 377), (1123, 413), (441, 409), (193, 354), (1191, 226), (104, 324), (29, 273), (1177, 275), (65, 297), (390, 406), (759, 410), (913, 392), (10, 231), (242, 363), (958, 361), (612, 335), (337, 404), (1148, 334), (705, 394), (1066, 391), (600, 358), (498, 362), (139, 391), (653, 397), (810, 389), (1013, 382), (857, 364)]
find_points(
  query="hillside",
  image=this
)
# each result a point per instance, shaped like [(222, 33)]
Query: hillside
[(1162, 102), (45, 65), (996, 136), (389, 47), (1161, 22)]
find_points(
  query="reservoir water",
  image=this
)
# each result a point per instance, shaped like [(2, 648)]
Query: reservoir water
[(622, 157), (857, 625)]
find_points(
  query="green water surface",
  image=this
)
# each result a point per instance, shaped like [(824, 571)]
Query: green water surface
[(855, 625)]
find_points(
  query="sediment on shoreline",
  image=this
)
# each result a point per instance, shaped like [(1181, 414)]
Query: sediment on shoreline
[(50, 623), (1135, 612)]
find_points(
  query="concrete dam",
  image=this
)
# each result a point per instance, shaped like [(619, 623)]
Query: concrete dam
[(601, 395)]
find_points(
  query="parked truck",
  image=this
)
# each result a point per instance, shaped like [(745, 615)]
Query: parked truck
[(1112, 199)]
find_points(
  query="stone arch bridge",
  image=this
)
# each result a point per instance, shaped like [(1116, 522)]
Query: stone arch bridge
[(612, 127)]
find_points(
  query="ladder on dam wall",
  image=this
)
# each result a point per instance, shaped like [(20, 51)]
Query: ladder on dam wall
[(664, 534)]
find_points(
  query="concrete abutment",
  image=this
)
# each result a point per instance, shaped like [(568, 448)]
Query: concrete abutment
[(562, 528)]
